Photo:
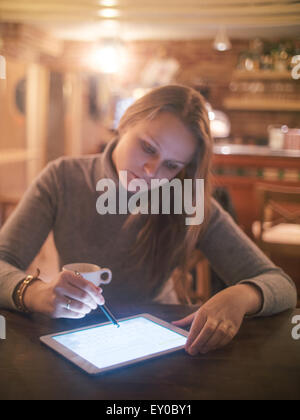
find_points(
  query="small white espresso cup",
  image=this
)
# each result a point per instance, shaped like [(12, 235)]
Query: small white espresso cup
[(90, 272)]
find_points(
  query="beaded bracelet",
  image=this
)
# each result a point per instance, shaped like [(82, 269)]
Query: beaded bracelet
[(20, 291)]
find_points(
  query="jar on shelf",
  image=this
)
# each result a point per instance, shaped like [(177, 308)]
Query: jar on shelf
[(266, 59), (277, 136), (256, 49), (266, 62), (280, 58), (292, 139), (242, 61)]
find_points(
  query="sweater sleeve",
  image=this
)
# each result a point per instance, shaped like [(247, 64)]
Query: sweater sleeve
[(236, 259), (24, 233)]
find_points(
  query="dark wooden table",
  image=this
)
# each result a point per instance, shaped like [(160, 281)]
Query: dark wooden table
[(262, 362)]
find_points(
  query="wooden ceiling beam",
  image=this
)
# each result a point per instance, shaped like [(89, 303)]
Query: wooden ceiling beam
[(260, 20), (7, 6), (135, 3), (145, 4)]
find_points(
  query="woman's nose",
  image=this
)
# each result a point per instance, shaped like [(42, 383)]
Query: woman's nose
[(151, 168)]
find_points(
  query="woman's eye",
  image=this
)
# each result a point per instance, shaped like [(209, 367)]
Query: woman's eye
[(148, 148), (171, 166)]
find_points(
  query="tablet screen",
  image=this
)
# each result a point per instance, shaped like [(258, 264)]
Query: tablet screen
[(106, 345)]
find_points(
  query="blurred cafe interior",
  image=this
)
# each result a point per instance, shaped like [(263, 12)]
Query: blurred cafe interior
[(69, 69)]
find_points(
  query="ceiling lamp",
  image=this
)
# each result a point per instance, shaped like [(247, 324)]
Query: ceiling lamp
[(222, 42), (109, 56), (108, 3), (109, 13)]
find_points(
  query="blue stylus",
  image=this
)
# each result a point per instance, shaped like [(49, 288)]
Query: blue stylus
[(105, 310)]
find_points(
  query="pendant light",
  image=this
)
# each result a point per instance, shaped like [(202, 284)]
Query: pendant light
[(222, 42), (109, 56)]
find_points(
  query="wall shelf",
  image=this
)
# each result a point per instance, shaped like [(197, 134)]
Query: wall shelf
[(261, 104), (262, 75)]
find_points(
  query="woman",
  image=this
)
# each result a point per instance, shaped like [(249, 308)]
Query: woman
[(164, 135)]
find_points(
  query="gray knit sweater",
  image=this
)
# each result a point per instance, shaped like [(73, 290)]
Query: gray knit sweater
[(63, 199)]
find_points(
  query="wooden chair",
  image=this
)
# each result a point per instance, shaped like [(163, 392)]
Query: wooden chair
[(278, 229), (194, 288)]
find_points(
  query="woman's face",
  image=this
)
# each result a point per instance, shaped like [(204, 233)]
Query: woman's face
[(155, 149)]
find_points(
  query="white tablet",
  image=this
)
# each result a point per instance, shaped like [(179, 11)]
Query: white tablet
[(102, 347)]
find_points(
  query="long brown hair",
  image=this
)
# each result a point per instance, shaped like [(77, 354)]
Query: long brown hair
[(164, 238)]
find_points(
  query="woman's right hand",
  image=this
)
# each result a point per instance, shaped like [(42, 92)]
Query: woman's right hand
[(67, 296)]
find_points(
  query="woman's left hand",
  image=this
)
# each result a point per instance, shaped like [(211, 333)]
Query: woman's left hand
[(219, 319)]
